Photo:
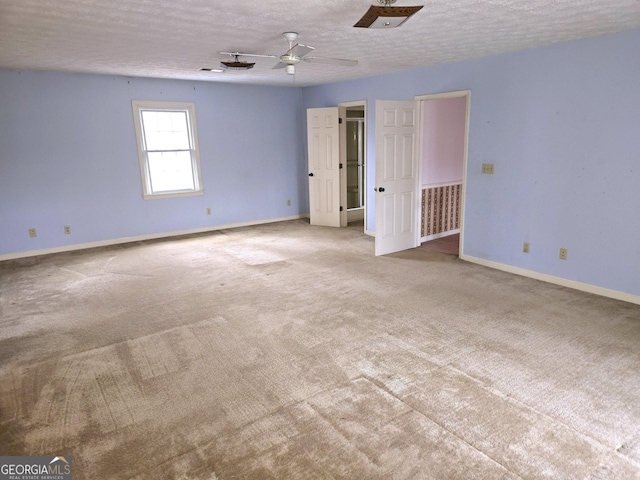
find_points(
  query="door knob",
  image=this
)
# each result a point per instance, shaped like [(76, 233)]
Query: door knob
[(311, 174), (381, 189)]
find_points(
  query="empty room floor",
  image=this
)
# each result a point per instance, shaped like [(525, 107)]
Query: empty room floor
[(290, 351)]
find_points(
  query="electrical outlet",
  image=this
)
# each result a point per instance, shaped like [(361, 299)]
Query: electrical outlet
[(526, 247), (67, 229), (32, 233), (563, 254), (208, 211), (488, 168)]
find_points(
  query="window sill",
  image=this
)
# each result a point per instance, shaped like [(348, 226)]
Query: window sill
[(157, 196)]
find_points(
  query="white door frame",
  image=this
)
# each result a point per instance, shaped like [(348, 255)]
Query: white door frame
[(342, 106), (439, 96)]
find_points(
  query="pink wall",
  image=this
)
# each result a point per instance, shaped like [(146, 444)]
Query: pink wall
[(443, 147)]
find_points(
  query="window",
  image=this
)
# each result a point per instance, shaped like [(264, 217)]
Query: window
[(167, 148)]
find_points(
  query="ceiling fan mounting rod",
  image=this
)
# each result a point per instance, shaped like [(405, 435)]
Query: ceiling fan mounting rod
[(386, 3)]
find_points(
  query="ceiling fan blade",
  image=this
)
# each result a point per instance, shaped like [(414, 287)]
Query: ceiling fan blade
[(332, 61), (299, 50), (248, 54), (279, 65)]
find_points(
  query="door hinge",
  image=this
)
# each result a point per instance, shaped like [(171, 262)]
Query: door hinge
[(340, 167), (339, 120), (341, 208)]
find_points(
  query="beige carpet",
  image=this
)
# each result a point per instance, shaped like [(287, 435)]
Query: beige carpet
[(286, 351)]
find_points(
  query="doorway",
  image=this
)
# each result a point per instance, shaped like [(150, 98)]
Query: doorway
[(404, 203), (443, 150), (353, 158), (355, 162)]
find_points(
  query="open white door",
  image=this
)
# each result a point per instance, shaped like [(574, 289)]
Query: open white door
[(324, 166), (396, 176)]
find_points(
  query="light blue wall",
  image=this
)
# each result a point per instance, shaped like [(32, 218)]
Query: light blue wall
[(68, 157), (562, 126)]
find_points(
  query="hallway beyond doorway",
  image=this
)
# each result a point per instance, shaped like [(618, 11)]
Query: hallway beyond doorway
[(449, 245)]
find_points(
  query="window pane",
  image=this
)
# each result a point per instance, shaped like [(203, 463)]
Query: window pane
[(167, 147), (170, 171), (165, 130)]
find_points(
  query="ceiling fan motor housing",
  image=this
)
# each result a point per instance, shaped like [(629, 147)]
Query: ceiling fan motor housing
[(290, 59)]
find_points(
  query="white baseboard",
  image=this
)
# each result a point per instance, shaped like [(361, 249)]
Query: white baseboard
[(355, 215), (140, 238), (439, 235), (584, 287)]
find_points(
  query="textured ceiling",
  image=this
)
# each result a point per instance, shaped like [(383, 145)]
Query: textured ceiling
[(174, 39)]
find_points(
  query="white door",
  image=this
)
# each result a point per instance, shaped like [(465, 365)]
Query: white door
[(396, 188), (324, 166)]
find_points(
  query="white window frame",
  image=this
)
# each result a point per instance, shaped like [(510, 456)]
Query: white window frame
[(190, 110)]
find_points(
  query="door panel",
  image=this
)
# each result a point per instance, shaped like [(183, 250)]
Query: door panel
[(406, 223), (388, 225), (396, 176), (324, 166), (389, 158), (408, 163)]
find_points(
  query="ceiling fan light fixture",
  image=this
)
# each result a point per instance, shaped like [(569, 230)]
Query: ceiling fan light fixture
[(290, 69), (386, 16), (237, 65)]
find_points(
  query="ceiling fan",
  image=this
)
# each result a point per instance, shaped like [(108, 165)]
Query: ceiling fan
[(297, 53)]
